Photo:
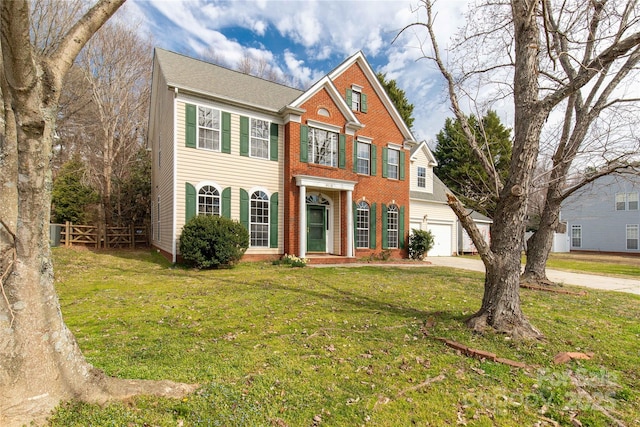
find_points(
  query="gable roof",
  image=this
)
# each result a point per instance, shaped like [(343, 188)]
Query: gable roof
[(326, 83), (204, 78), (425, 148), (360, 59)]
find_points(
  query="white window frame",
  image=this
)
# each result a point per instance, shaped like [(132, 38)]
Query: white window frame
[(576, 228), (632, 198), (356, 99), (255, 139), (621, 201), (634, 231), (422, 179), (259, 221), (202, 127), (314, 133), (363, 211), (361, 160), (395, 167), (393, 228), (213, 198)]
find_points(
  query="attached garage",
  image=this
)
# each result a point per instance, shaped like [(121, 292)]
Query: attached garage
[(442, 239)]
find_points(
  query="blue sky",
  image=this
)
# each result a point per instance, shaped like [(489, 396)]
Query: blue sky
[(307, 39)]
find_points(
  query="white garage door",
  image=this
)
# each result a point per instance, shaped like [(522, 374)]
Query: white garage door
[(441, 239)]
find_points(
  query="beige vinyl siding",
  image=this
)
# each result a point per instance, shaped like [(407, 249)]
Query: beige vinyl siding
[(229, 170), (161, 140), (421, 160)]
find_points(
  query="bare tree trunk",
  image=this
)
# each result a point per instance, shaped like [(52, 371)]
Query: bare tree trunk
[(40, 361)]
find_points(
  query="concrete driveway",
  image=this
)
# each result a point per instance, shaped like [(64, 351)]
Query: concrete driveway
[(593, 281)]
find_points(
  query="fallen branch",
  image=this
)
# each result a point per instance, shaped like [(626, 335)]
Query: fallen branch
[(595, 404), (481, 354), (423, 384)]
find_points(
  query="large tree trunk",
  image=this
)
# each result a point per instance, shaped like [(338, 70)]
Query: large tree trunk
[(40, 361), (540, 243)]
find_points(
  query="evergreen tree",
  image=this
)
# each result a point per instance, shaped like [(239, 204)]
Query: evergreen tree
[(458, 167), (399, 98), (71, 197)]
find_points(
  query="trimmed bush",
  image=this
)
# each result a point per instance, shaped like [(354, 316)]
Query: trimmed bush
[(420, 242), (212, 242)]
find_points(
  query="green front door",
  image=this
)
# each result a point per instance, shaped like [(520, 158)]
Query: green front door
[(316, 228)]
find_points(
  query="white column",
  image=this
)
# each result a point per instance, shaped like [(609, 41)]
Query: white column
[(302, 220), (350, 252)]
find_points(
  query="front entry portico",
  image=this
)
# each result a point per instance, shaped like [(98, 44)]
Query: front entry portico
[(314, 218)]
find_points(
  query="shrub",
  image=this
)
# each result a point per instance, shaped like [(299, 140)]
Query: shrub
[(420, 242), (292, 261), (212, 241)]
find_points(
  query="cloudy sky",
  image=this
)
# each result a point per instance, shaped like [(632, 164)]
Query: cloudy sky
[(305, 39)]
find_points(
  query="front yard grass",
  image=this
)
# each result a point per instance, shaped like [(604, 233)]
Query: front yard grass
[(280, 346)]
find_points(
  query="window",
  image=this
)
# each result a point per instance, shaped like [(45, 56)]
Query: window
[(259, 224), (356, 100), (422, 177), (323, 147), (632, 236), (576, 236), (392, 226), (208, 128), (362, 225), (259, 146), (626, 201), (208, 201), (364, 158), (393, 160)]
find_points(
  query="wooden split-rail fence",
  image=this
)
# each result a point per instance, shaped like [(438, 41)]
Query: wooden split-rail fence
[(99, 236)]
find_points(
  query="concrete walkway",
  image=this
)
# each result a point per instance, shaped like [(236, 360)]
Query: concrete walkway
[(593, 281)]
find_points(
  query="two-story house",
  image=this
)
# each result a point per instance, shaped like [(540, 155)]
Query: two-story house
[(604, 215), (323, 171)]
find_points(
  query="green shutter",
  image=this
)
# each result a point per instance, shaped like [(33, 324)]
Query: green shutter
[(274, 142), (355, 155), (385, 154), (226, 132), (244, 136), (190, 130), (401, 228), (348, 98), (190, 202), (226, 203), (363, 103), (385, 235), (374, 162), (342, 151), (304, 143), (401, 155), (372, 226), (273, 220), (244, 208)]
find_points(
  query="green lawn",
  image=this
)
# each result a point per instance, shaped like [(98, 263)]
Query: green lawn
[(279, 346)]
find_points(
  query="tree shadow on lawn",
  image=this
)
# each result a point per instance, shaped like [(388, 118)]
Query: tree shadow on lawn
[(364, 302)]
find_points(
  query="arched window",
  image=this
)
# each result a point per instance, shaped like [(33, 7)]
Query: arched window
[(259, 221), (208, 201), (362, 225), (392, 226)]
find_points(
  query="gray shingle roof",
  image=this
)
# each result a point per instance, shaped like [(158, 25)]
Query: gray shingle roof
[(210, 79), (439, 192)]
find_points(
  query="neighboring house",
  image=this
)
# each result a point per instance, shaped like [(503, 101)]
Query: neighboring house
[(429, 209), (465, 244), (322, 171), (604, 215)]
